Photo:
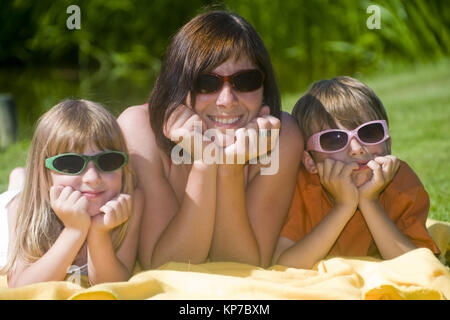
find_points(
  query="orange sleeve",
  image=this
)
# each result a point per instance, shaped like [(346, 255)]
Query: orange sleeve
[(296, 224), (409, 203)]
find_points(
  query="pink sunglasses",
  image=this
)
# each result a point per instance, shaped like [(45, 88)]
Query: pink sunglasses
[(335, 140)]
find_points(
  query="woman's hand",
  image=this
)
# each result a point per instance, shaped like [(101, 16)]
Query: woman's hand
[(335, 177), (186, 129), (113, 213), (70, 206), (384, 170), (255, 139)]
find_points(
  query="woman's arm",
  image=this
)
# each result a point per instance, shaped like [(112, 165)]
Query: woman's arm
[(170, 230), (248, 221)]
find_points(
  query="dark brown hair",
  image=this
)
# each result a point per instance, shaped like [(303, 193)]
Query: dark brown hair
[(201, 45)]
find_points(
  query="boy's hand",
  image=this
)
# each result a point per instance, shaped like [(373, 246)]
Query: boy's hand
[(70, 206), (113, 213), (384, 170), (335, 177)]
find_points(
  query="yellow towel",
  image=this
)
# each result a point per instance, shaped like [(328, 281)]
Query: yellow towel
[(440, 232), (417, 274)]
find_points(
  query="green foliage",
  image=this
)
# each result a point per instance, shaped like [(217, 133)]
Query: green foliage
[(309, 40), (306, 39)]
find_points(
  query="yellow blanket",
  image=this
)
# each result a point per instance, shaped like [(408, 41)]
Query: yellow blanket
[(415, 275)]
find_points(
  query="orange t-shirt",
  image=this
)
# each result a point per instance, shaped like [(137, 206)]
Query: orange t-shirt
[(404, 200)]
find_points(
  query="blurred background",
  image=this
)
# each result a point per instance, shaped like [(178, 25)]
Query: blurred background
[(115, 57)]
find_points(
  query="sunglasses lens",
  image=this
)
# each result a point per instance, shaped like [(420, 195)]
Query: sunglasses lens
[(333, 140), (207, 83), (69, 164), (110, 161), (248, 81), (371, 133)]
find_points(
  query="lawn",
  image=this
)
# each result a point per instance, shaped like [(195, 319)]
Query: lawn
[(417, 100)]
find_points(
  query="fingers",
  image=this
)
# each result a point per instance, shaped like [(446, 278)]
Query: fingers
[(116, 211), (183, 120), (55, 192), (331, 169), (388, 166)]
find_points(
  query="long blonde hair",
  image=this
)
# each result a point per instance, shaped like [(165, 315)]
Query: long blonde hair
[(69, 126)]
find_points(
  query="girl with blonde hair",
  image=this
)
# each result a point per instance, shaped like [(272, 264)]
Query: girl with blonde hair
[(79, 210)]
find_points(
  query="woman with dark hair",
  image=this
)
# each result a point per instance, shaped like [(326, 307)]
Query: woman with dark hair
[(216, 77)]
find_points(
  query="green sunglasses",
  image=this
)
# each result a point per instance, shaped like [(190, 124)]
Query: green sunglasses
[(74, 163)]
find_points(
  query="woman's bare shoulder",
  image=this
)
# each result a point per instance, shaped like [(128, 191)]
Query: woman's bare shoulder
[(133, 115), (290, 133)]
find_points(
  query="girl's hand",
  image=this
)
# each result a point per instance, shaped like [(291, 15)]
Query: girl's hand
[(70, 206), (113, 213), (335, 177), (384, 170), (258, 131)]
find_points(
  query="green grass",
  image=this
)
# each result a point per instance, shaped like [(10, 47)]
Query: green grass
[(417, 100)]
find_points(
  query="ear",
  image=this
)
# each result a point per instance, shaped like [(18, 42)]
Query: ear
[(309, 163), (188, 101), (389, 144), (264, 111)]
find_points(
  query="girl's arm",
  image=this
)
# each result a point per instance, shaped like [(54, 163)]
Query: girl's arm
[(53, 265), (249, 220), (106, 265), (170, 230)]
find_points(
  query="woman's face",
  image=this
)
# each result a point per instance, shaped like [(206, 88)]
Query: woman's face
[(228, 108)]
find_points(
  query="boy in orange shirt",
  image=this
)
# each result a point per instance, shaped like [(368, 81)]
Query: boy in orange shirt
[(352, 197)]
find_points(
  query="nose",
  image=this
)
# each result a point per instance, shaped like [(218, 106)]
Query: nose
[(226, 97), (355, 148), (91, 175)]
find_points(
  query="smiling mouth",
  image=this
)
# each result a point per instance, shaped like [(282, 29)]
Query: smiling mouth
[(362, 166), (92, 195), (229, 121)]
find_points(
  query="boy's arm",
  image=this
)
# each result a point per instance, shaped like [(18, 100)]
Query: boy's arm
[(335, 177), (316, 244), (389, 239)]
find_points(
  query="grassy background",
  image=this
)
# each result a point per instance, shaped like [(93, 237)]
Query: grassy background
[(417, 100)]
